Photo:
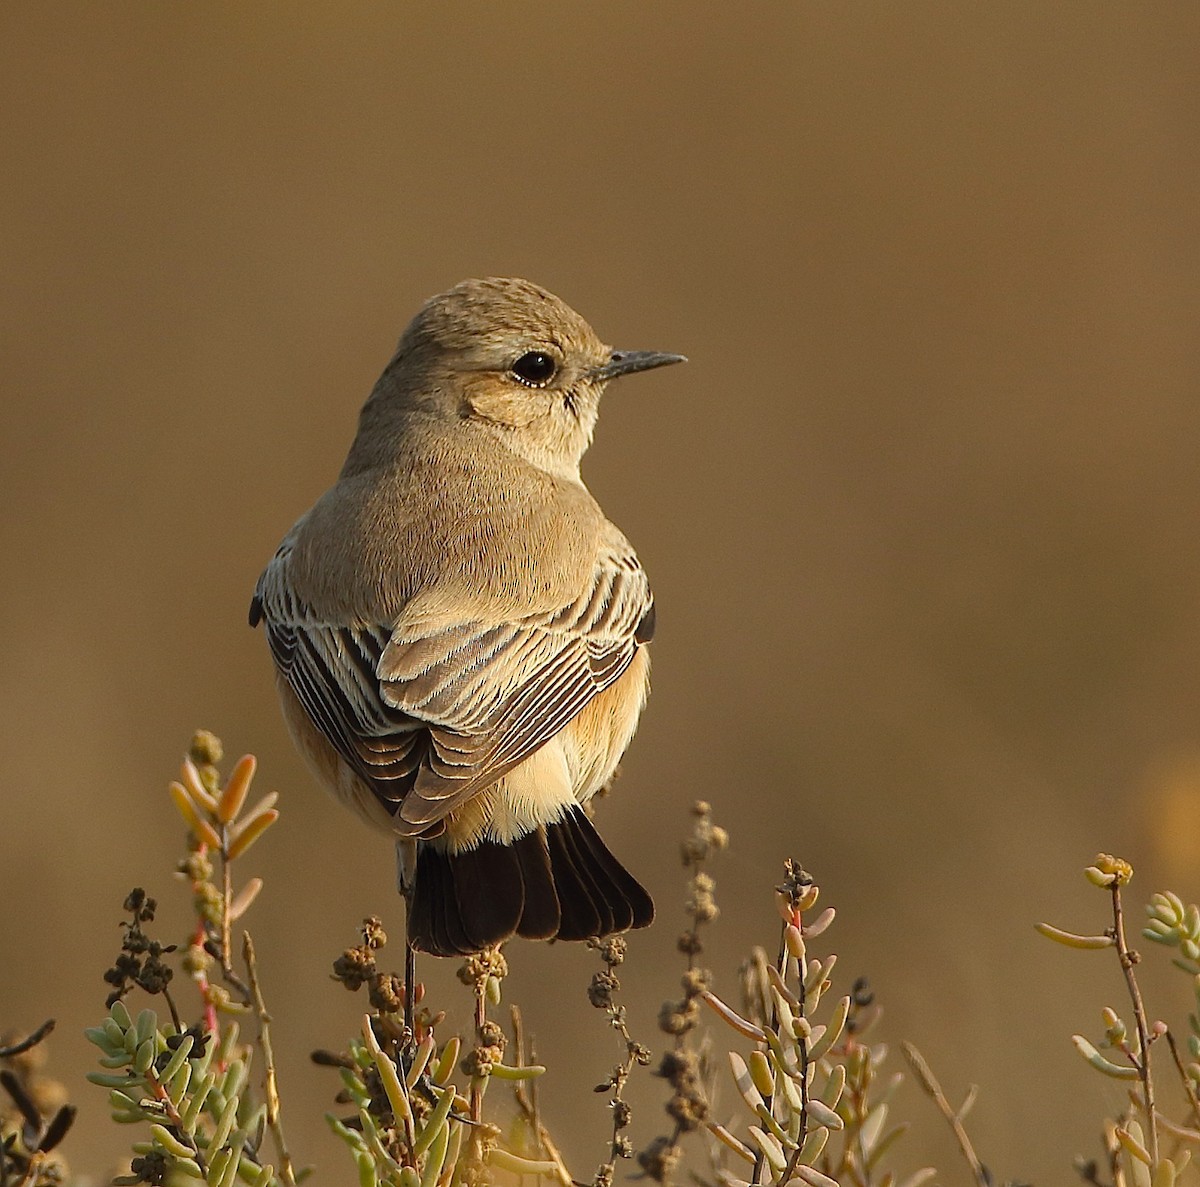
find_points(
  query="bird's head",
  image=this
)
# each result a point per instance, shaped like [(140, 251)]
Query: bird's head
[(504, 352)]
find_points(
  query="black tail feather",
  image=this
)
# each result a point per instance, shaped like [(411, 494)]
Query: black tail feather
[(433, 922), (590, 876), (580, 918), (622, 889), (451, 936), (421, 903), (489, 893), (557, 881), (462, 902), (542, 916)]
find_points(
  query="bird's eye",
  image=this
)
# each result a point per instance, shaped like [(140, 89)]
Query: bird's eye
[(535, 368)]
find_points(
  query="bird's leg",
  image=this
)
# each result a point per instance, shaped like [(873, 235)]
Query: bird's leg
[(410, 980), (405, 865)]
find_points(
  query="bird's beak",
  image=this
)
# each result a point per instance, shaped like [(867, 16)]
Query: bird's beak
[(625, 362)]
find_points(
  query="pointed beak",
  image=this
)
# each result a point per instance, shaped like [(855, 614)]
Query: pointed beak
[(625, 362)]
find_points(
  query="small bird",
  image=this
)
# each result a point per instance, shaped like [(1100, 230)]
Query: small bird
[(459, 632)]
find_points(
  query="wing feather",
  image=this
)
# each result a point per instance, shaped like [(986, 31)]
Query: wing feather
[(430, 714)]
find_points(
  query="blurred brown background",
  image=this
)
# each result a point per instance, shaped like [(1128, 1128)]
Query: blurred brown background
[(920, 513)]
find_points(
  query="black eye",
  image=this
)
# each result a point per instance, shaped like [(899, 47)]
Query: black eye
[(535, 368)]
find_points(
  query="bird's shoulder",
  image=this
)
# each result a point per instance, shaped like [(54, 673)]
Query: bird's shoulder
[(453, 519)]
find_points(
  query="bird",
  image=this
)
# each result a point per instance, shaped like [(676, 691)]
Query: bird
[(460, 635)]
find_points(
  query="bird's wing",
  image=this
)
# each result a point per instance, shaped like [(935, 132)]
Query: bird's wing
[(435, 709), (331, 669), (492, 693)]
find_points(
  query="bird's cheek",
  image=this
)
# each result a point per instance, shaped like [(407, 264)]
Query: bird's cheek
[(502, 404)]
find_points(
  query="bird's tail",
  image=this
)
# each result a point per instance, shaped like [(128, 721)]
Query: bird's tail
[(558, 882)]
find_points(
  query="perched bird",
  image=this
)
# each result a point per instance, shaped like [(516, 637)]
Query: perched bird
[(459, 632)]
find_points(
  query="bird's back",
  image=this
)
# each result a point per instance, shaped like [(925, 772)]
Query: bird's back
[(456, 518)]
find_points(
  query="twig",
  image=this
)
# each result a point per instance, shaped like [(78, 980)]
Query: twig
[(802, 970), (1128, 960), (795, 880), (525, 1088), (175, 1019), (286, 1171), (227, 969), (929, 1082), (32, 1041), (689, 1103), (794, 1160), (526, 1099), (552, 1151), (477, 1081), (1193, 1100)]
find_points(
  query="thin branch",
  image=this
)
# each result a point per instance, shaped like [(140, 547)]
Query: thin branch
[(802, 993), (760, 1158), (171, 1112), (929, 1082), (476, 1080), (1193, 1100), (1112, 1149), (1128, 960), (227, 969), (32, 1041), (175, 1019), (525, 1093), (286, 1170)]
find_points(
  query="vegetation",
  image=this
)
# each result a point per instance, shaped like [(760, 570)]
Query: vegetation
[(191, 1070)]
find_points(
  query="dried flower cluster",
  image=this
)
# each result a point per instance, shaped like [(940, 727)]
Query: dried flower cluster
[(681, 1066), (141, 960), (602, 991), (386, 992)]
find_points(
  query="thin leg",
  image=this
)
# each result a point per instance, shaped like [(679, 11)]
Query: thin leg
[(406, 858), (410, 980)]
